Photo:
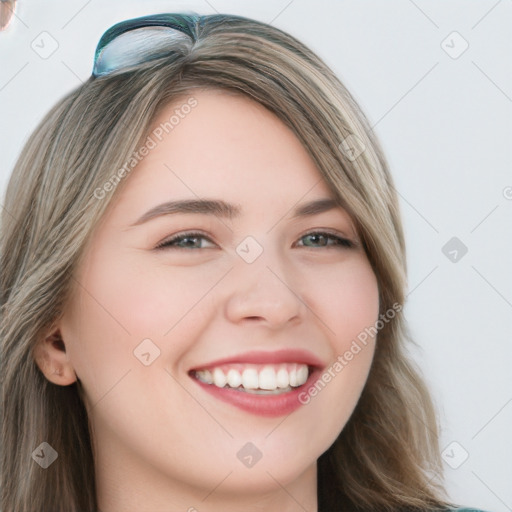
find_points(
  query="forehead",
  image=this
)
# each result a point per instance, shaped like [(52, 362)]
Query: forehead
[(216, 145), (227, 139)]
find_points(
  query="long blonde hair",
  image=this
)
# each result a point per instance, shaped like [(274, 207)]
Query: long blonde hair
[(387, 454)]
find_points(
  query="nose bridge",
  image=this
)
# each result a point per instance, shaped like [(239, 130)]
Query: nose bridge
[(262, 286)]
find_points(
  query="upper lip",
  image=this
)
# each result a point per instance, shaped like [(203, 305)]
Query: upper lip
[(267, 357)]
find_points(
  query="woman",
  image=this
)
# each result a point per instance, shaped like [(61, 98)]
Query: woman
[(202, 287)]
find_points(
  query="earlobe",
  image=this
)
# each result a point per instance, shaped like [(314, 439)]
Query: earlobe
[(51, 358)]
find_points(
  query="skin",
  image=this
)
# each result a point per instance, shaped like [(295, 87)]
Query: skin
[(161, 442)]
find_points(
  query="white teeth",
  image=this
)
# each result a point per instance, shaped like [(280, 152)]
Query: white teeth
[(282, 378), (234, 378), (293, 376), (302, 374), (205, 376), (267, 378), (219, 379), (250, 378), (257, 379)]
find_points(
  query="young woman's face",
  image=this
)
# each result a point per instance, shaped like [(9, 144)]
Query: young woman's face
[(254, 291)]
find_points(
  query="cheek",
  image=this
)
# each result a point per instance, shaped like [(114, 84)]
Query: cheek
[(150, 300), (121, 303), (98, 346), (347, 303), (346, 299)]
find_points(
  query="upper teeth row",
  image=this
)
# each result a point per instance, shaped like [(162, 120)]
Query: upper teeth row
[(270, 377)]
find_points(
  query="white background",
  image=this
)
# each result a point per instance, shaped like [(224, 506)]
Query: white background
[(446, 127)]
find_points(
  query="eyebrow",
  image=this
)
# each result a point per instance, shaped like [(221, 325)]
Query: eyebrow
[(227, 210)]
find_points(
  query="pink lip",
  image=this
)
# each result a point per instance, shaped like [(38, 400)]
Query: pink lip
[(260, 357), (264, 405)]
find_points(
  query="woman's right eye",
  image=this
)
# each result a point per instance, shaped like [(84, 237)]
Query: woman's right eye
[(190, 240)]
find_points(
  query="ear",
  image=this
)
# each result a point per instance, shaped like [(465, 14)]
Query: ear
[(50, 355)]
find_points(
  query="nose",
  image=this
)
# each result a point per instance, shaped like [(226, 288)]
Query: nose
[(265, 292)]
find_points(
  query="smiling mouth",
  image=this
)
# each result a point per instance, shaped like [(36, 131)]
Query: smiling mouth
[(258, 379)]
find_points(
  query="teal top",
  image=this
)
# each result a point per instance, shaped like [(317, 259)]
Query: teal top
[(467, 510)]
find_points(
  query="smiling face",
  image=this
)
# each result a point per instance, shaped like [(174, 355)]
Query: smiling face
[(265, 284)]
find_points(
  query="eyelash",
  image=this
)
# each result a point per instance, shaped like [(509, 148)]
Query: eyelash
[(342, 243)]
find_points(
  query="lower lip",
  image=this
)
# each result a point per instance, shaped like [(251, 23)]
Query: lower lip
[(262, 405)]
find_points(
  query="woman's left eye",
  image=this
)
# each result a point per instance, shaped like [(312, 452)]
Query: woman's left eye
[(321, 239)]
